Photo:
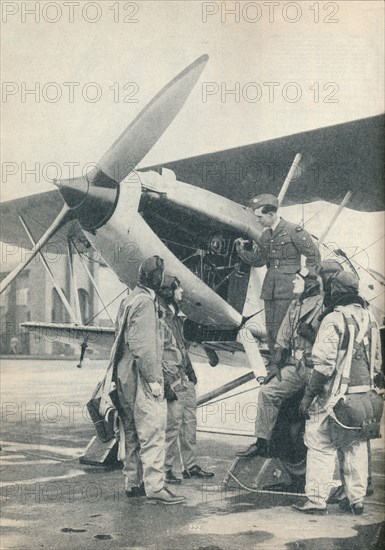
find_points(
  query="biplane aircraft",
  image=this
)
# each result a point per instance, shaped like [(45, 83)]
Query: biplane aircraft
[(191, 211)]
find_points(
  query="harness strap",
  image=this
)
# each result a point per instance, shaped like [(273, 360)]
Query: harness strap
[(311, 318), (122, 442), (341, 381), (349, 356), (362, 330), (373, 348), (360, 389)]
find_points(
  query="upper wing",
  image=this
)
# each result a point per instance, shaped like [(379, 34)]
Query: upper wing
[(336, 159), (38, 212)]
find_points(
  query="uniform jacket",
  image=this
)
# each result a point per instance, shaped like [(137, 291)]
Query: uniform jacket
[(281, 252), (306, 311), (330, 348), (139, 355)]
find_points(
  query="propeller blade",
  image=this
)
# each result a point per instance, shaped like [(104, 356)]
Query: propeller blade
[(145, 130), (64, 216)]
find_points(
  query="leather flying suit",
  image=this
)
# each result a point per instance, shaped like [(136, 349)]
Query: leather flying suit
[(181, 413), (329, 355), (143, 415), (298, 367)]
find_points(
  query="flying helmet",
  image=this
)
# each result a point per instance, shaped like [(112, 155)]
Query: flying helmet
[(151, 272)]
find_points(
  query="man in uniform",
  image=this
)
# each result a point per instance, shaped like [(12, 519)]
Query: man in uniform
[(139, 379), (280, 248), (291, 364)]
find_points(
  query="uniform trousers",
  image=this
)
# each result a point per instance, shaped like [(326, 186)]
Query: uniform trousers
[(274, 393), (321, 461), (182, 422), (275, 311), (144, 427)]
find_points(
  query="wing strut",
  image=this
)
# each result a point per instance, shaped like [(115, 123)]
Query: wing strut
[(74, 284), (289, 177), (217, 392), (64, 216), (93, 282), (49, 271), (251, 347), (344, 202)]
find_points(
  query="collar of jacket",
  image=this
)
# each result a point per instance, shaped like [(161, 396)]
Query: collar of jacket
[(269, 232), (308, 304), (150, 291), (280, 225), (169, 311), (312, 291), (276, 224), (172, 312), (344, 300)]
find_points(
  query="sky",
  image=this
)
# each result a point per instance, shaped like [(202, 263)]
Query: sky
[(275, 68), (292, 67)]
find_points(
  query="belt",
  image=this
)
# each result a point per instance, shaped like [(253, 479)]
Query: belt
[(273, 263), (276, 262)]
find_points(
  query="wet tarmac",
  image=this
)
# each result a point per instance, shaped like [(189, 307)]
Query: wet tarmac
[(49, 500)]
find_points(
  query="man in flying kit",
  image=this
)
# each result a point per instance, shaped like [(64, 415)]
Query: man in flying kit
[(291, 364), (340, 402), (139, 379), (180, 380)]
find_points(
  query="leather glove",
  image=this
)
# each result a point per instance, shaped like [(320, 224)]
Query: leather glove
[(307, 332), (191, 374), (304, 406), (379, 380), (274, 370), (279, 356), (169, 393), (156, 389), (315, 386)]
